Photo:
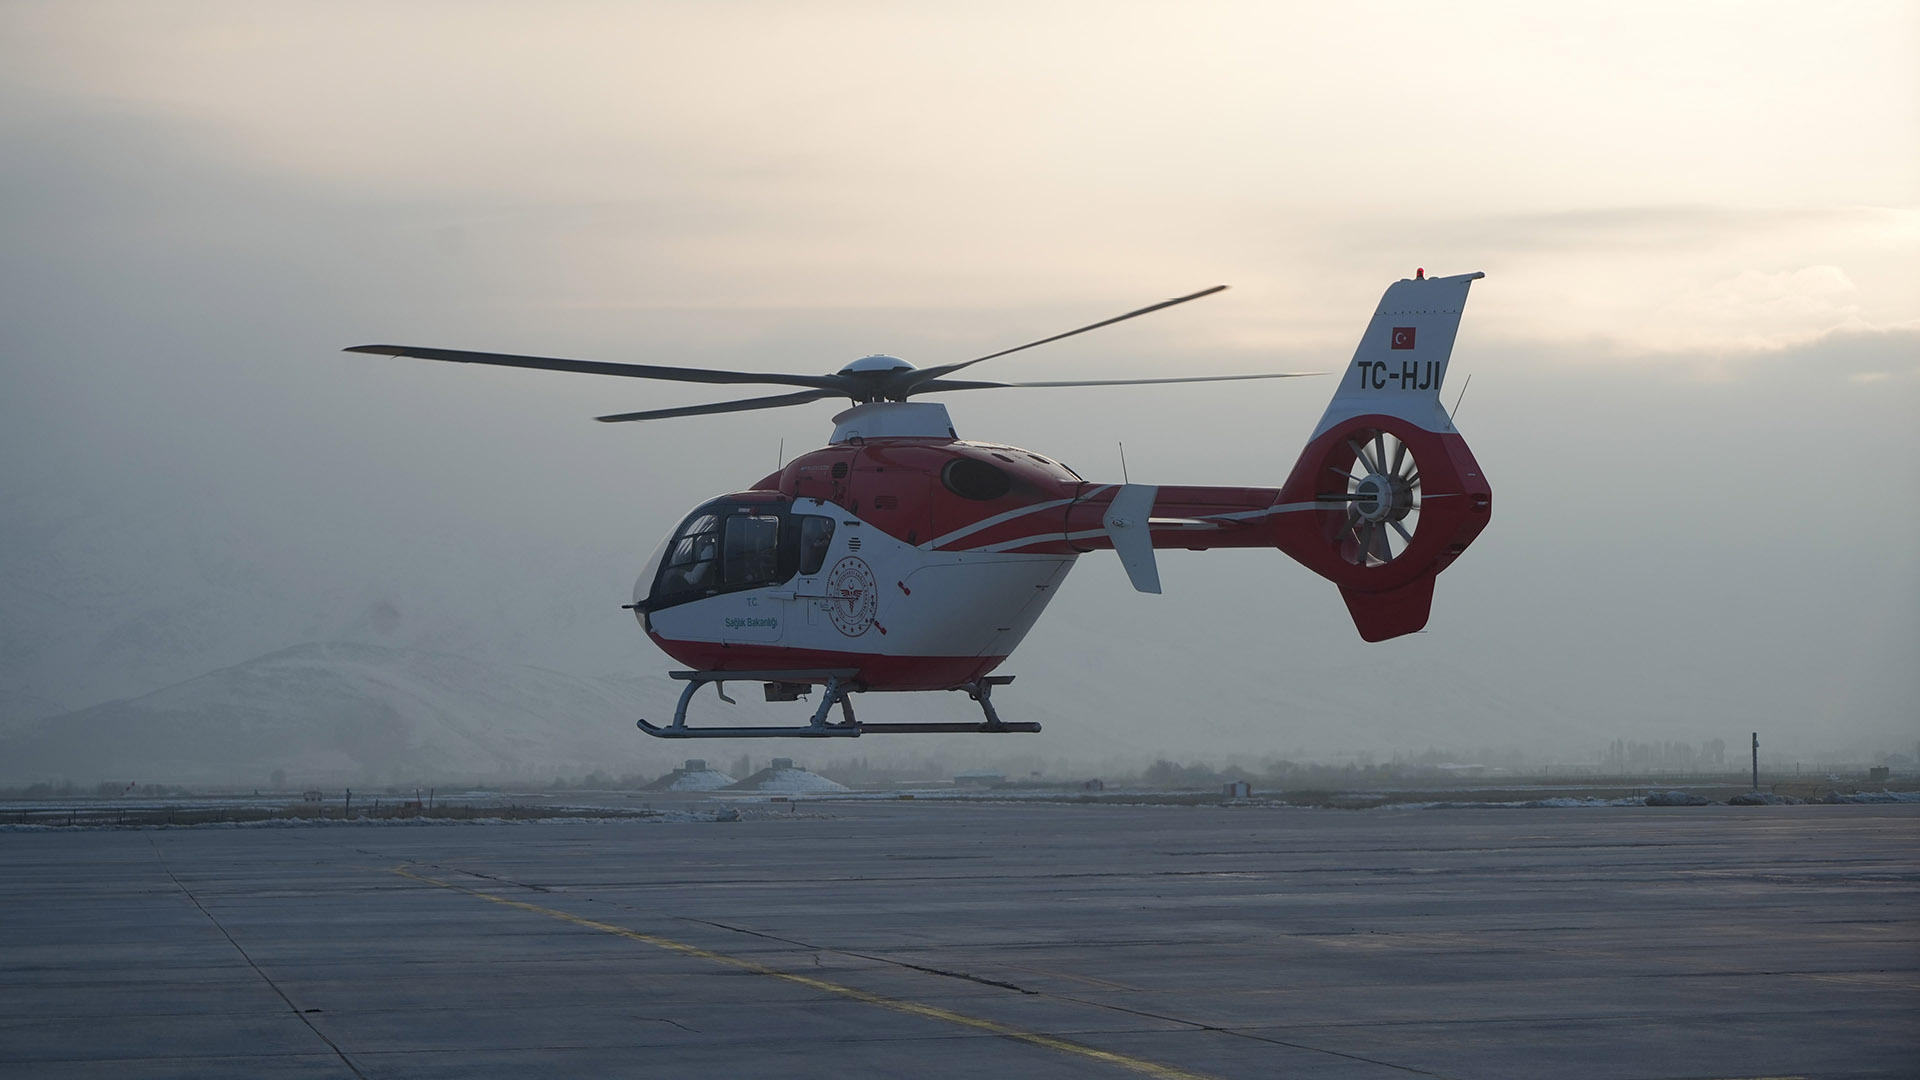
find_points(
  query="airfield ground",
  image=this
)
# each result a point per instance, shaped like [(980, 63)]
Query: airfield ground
[(970, 939)]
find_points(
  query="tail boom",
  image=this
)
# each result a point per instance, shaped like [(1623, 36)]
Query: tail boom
[(1385, 496)]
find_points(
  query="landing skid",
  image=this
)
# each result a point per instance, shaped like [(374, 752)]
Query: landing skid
[(840, 685)]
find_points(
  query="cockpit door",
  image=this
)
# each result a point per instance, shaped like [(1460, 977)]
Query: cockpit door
[(754, 608)]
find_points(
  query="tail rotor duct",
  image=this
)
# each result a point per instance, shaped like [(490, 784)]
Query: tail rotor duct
[(1382, 498)]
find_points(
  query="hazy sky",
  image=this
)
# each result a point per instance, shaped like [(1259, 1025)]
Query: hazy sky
[(1696, 355)]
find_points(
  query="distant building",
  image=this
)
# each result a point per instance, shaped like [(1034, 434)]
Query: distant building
[(1237, 789), (693, 776)]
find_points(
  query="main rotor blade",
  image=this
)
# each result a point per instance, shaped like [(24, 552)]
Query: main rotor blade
[(742, 405), (970, 384), (593, 367), (915, 380)]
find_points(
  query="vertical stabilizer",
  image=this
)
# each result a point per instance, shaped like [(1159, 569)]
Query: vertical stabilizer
[(1402, 359)]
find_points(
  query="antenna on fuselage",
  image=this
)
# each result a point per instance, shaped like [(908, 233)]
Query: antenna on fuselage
[(1123, 463)]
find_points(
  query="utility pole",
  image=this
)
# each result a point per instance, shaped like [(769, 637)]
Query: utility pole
[(1756, 763)]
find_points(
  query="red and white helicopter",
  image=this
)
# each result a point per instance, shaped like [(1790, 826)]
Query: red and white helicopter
[(902, 557)]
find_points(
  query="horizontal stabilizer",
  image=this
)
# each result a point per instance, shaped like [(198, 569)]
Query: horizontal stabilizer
[(1127, 523)]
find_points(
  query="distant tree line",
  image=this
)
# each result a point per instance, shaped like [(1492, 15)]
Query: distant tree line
[(1628, 756)]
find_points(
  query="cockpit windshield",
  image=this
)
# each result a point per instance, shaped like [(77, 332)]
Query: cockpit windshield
[(727, 546), (689, 565)]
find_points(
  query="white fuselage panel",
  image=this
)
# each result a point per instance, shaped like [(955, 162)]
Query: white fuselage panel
[(877, 595)]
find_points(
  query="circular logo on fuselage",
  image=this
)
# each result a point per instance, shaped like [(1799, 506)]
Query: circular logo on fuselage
[(851, 596)]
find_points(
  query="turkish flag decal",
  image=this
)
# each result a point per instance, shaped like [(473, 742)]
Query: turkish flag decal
[(1403, 337)]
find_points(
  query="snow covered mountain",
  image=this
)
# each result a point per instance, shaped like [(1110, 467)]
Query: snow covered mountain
[(347, 713), (104, 598)]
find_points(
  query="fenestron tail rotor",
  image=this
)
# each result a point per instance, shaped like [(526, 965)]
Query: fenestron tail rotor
[(1382, 498), (870, 379)]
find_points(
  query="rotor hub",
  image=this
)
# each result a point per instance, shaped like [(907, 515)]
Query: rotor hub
[(876, 364), (874, 378), (1383, 497), (1373, 498)]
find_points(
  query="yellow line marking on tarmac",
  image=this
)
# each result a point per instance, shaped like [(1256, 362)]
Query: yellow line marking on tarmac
[(913, 1008)]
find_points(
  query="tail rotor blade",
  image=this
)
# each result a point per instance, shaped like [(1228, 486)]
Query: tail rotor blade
[(1377, 546), (1361, 453)]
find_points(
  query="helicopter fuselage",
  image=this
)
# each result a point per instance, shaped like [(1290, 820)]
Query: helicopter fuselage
[(916, 557)]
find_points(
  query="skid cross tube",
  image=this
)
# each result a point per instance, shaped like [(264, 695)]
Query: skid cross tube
[(840, 685)]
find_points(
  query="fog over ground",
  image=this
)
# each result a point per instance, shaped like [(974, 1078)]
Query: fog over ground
[(1695, 360)]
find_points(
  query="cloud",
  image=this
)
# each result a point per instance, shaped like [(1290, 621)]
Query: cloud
[(1762, 310), (1694, 284), (818, 155), (1853, 354)]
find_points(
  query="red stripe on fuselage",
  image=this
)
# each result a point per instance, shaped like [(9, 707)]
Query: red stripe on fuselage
[(877, 672), (896, 486), (1239, 517)]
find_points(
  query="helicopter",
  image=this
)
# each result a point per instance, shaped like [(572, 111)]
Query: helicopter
[(901, 557)]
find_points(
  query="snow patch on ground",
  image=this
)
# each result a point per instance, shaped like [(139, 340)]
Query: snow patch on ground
[(1526, 804), (788, 782), (1873, 797), (1677, 798)]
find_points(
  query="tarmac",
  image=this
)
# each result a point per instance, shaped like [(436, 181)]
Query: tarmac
[(942, 939)]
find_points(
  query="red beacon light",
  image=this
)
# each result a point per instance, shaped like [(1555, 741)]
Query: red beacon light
[(1419, 273)]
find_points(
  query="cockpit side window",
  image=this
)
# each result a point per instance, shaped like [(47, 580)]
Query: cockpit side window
[(816, 539)]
